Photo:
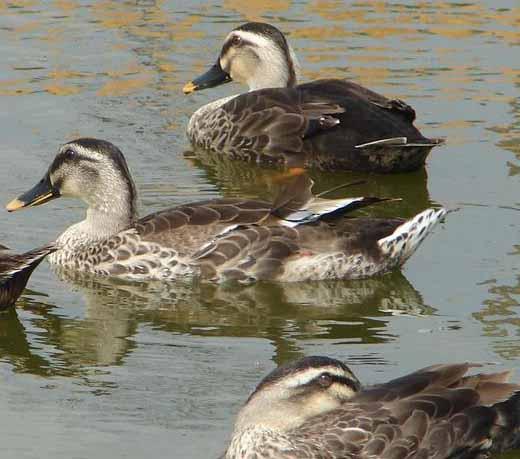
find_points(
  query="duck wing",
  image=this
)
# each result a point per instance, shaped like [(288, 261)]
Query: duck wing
[(189, 226), (343, 90), (296, 204), (311, 251), (247, 253), (328, 247), (273, 121), (367, 117), (324, 121)]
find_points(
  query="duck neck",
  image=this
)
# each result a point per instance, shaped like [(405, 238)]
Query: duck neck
[(102, 223), (259, 414), (253, 439), (275, 70), (107, 214), (269, 80)]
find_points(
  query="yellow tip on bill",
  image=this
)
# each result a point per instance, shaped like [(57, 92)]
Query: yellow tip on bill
[(15, 204), (189, 88)]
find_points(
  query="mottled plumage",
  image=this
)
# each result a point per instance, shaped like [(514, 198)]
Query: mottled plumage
[(347, 249), (219, 240), (316, 408), (15, 270), (329, 123)]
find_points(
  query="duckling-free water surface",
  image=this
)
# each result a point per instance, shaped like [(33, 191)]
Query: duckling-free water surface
[(94, 367)]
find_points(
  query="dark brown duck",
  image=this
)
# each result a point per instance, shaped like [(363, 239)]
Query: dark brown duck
[(329, 123)]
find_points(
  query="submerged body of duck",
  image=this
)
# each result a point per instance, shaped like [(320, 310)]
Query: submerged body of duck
[(220, 239), (15, 270), (330, 123), (316, 408)]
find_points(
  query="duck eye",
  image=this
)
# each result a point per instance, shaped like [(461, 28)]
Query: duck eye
[(325, 380), (69, 152), (236, 40)]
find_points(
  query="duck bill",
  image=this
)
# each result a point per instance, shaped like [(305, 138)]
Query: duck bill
[(215, 76), (41, 193)]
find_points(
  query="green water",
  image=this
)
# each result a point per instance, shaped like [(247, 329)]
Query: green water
[(108, 369)]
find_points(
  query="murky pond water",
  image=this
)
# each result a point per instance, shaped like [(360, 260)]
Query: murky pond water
[(102, 368)]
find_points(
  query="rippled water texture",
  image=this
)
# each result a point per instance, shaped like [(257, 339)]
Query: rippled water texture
[(101, 368)]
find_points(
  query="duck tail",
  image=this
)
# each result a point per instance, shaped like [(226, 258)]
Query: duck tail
[(16, 270), (32, 258), (489, 429), (319, 209), (19, 263), (296, 205), (505, 433), (402, 142), (405, 239)]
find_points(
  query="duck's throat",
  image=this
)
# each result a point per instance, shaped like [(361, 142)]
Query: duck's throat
[(99, 224), (270, 79)]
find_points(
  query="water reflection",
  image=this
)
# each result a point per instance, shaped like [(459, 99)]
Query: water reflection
[(152, 29), (247, 179), (15, 347), (511, 135), (115, 69), (500, 315), (281, 313)]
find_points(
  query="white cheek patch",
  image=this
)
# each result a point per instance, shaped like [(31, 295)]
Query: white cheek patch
[(267, 50)]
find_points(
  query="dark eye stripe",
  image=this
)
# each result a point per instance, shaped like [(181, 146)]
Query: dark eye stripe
[(354, 385), (66, 157), (345, 381), (310, 386)]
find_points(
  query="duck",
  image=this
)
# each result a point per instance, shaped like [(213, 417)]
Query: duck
[(315, 407), (15, 270), (297, 237), (328, 123)]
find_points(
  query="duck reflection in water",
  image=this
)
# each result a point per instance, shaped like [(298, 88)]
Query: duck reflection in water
[(282, 313), (232, 179)]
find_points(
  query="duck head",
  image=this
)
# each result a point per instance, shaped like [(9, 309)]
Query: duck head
[(92, 170), (295, 392), (256, 54)]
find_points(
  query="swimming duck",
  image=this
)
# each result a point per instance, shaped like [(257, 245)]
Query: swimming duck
[(220, 239), (316, 408), (15, 270), (329, 123)]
